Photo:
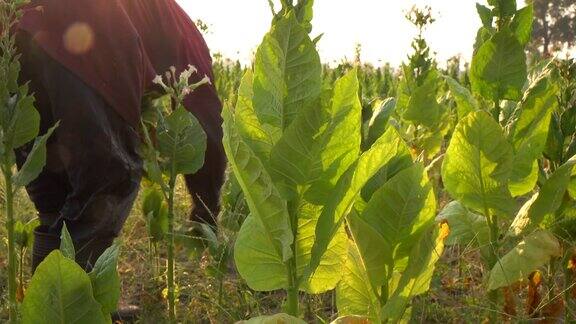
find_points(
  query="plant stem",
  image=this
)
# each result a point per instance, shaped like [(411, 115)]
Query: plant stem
[(492, 221), (170, 270), (13, 313), (293, 307), (493, 259), (292, 291)]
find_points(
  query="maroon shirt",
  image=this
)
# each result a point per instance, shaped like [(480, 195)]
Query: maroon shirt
[(118, 46)]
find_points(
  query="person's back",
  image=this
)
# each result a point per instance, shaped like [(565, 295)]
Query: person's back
[(89, 63)]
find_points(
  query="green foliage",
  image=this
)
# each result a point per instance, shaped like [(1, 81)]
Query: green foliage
[(105, 280), (285, 152), (24, 233), (35, 161), (530, 132), (465, 101), (397, 214), (498, 69), (181, 142), (546, 202), (179, 149), (534, 251), (357, 296), (522, 24), (478, 164), (466, 228), (66, 244), (61, 292), (378, 123), (19, 125), (155, 211)]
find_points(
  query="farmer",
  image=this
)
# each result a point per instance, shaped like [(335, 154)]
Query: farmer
[(90, 63)]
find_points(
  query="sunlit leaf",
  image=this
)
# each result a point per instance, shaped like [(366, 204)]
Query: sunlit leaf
[(498, 69), (478, 164), (354, 294), (531, 253), (106, 281), (61, 292)]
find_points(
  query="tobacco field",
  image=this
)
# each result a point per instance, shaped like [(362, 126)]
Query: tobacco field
[(428, 193)]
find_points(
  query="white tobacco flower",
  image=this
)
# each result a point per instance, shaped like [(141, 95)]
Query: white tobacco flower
[(205, 80), (186, 74), (158, 80), (186, 91)]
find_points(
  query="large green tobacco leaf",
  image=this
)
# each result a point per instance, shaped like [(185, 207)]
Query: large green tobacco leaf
[(61, 292), (466, 228), (546, 201), (498, 68), (106, 281), (401, 159), (264, 201), (259, 139), (354, 294), (531, 253), (35, 161), (25, 123), (256, 259), (465, 101), (346, 193), (264, 270), (415, 279), (399, 213), (329, 271), (379, 121), (287, 73), (320, 144), (274, 319), (530, 133), (422, 107), (522, 24), (478, 164), (182, 141)]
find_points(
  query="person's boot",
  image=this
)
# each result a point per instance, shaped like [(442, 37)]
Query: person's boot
[(44, 243)]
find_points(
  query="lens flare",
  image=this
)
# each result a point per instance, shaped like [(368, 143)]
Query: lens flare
[(78, 38)]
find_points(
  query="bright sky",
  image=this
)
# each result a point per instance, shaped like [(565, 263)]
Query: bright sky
[(236, 27)]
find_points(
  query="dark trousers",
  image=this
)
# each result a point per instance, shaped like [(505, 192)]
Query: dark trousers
[(93, 169)]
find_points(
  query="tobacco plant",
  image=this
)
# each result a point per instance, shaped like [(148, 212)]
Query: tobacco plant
[(62, 292), (19, 126), (396, 241), (179, 148), (294, 148), (420, 116), (495, 158)]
